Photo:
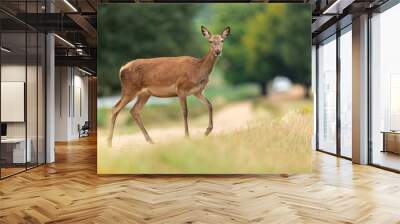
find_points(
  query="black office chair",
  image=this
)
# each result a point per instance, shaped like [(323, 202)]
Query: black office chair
[(84, 130)]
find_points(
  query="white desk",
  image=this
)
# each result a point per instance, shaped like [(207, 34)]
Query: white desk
[(19, 155)]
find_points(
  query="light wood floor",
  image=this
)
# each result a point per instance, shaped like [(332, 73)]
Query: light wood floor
[(69, 191), (387, 159), (10, 171)]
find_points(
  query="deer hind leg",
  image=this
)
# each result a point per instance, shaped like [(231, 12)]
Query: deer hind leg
[(135, 112), (208, 104), (125, 99), (183, 103)]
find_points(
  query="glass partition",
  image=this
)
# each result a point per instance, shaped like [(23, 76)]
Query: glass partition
[(41, 96), (14, 153), (22, 77), (385, 89), (327, 95), (31, 97), (346, 92)]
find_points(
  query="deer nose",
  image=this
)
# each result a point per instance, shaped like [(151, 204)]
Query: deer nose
[(217, 52)]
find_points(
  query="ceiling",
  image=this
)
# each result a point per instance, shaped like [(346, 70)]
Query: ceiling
[(330, 15), (75, 21)]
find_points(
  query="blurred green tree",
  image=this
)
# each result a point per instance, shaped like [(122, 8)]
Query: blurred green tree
[(263, 43), (296, 51), (267, 41), (234, 58), (128, 32)]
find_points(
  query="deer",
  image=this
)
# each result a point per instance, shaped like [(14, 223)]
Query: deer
[(167, 77)]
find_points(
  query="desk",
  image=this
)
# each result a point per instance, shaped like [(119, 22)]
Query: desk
[(391, 141), (17, 150)]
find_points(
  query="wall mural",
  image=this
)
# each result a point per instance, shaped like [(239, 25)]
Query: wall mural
[(204, 88)]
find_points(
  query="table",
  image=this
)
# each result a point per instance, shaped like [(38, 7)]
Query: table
[(17, 151), (391, 141)]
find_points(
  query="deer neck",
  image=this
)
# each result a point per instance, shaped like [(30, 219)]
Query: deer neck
[(208, 62)]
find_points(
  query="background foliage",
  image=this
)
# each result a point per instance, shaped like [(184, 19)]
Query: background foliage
[(267, 40), (128, 32)]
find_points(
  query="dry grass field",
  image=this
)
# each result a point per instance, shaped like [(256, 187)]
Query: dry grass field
[(259, 136)]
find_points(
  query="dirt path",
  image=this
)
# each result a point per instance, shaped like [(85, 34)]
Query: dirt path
[(227, 119)]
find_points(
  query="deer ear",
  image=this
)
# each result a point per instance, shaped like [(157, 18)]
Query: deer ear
[(205, 32), (226, 32)]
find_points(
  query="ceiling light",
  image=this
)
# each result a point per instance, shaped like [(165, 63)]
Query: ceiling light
[(5, 50), (80, 51), (65, 41), (338, 6), (70, 5), (84, 71)]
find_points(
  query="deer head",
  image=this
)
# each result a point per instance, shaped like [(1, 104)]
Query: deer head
[(216, 41)]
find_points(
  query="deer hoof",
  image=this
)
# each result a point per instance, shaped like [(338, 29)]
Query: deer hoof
[(150, 141), (208, 131)]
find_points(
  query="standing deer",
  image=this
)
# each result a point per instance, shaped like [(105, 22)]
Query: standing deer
[(168, 77)]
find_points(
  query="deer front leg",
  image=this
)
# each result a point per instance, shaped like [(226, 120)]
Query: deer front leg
[(141, 101), (208, 104), (183, 103), (125, 99)]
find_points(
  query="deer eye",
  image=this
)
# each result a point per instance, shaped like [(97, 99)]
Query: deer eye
[(210, 41)]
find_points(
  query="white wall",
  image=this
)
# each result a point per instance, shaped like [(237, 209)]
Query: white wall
[(71, 102), (16, 73), (80, 96), (12, 73), (33, 126), (62, 81)]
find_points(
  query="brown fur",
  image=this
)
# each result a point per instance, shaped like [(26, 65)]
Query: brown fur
[(165, 77), (168, 77)]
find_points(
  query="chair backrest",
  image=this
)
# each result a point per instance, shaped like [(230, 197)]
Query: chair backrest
[(86, 125)]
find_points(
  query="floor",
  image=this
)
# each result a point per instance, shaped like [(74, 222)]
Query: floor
[(387, 159), (70, 191), (10, 171)]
